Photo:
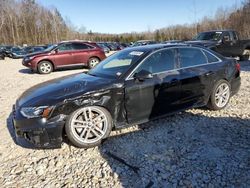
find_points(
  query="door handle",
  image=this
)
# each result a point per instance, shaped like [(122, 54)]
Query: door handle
[(209, 73)]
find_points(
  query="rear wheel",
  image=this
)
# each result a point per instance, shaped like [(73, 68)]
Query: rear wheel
[(88, 126), (93, 61), (45, 67), (220, 95)]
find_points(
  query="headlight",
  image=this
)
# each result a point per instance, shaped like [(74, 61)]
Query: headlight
[(33, 112), (28, 58)]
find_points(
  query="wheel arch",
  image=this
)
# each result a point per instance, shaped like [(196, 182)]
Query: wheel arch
[(94, 56), (48, 61)]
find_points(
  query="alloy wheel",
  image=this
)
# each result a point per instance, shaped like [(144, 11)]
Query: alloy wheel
[(45, 67), (222, 95), (89, 125), (93, 62)]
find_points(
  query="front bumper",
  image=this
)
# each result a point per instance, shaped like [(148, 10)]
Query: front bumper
[(39, 132), (29, 64)]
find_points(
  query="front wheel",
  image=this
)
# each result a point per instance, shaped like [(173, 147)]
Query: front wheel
[(45, 67), (93, 61), (88, 126), (220, 95)]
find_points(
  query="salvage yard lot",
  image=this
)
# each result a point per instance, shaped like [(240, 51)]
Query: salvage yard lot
[(194, 148)]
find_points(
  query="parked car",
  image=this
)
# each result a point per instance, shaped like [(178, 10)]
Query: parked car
[(2, 56), (16, 52), (65, 54), (172, 41), (6, 50), (143, 43), (225, 42), (32, 49), (104, 47), (111, 46), (132, 86)]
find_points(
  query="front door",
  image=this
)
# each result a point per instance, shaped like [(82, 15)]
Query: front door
[(156, 96), (64, 56), (230, 45)]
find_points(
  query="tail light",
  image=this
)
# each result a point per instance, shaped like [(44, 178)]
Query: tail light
[(237, 65)]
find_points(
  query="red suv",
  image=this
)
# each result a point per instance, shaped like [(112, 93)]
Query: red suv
[(65, 54)]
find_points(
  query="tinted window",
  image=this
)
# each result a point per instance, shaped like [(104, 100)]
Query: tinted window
[(191, 57), (234, 36), (209, 36), (65, 47), (227, 36), (81, 46), (159, 62), (211, 58)]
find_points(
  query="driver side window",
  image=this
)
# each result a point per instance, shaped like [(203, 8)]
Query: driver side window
[(160, 61), (65, 47)]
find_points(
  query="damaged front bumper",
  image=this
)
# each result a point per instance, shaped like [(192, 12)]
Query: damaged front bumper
[(39, 132)]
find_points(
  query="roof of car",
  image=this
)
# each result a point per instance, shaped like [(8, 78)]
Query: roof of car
[(84, 41), (222, 30), (158, 46)]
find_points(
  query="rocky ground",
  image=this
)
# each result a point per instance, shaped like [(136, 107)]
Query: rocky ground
[(196, 148)]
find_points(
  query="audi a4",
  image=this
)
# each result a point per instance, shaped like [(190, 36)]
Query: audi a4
[(130, 87)]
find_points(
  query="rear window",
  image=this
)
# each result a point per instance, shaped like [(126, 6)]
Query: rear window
[(211, 58), (191, 57), (81, 46)]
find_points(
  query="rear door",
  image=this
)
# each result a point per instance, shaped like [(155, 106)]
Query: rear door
[(150, 98), (196, 77), (81, 53), (64, 56)]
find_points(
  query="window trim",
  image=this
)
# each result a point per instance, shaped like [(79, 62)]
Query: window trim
[(219, 60), (129, 77), (57, 48)]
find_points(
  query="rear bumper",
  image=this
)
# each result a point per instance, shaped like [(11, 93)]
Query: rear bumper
[(235, 85), (39, 132)]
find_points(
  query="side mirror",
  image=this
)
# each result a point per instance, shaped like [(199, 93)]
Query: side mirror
[(143, 75), (54, 51)]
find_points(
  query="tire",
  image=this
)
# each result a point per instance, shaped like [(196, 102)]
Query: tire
[(45, 67), (220, 95), (93, 61), (82, 131)]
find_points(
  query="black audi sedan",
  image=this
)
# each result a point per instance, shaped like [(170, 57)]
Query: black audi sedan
[(130, 87)]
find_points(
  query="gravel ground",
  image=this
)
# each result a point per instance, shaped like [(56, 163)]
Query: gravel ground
[(196, 148)]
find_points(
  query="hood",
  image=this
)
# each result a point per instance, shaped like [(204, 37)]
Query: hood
[(57, 90), (205, 43), (37, 53), (19, 52)]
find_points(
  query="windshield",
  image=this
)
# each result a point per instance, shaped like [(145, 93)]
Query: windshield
[(50, 48), (117, 64), (209, 36)]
